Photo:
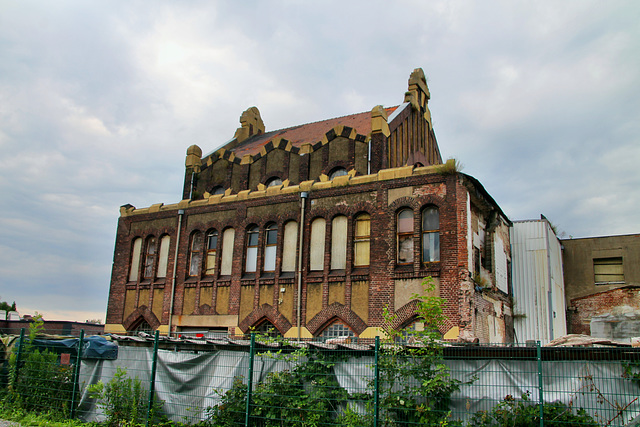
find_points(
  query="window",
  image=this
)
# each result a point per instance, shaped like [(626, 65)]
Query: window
[(267, 328), (228, 238), (289, 246), (149, 257), (272, 182), (195, 255), (143, 326), (430, 235), (251, 260), (163, 258), (135, 259), (270, 245), (339, 243), (405, 236), (212, 247), (218, 189), (337, 172), (316, 253), (362, 240), (608, 271), (336, 330)]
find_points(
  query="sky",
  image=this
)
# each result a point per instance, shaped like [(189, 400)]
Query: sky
[(99, 101)]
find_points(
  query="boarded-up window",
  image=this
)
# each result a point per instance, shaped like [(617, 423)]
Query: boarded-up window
[(502, 279), (150, 257), (212, 248), (195, 255), (270, 245), (251, 258), (405, 236), (339, 243), (228, 237), (289, 246), (318, 229), (362, 240), (608, 270), (430, 235), (135, 259), (163, 259)]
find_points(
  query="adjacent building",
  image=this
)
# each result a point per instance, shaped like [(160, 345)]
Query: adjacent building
[(315, 230), (602, 280), (538, 284)]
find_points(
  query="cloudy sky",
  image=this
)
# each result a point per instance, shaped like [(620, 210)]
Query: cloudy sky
[(99, 101)]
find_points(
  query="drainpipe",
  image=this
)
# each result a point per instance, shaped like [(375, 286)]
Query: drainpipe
[(175, 269), (303, 197)]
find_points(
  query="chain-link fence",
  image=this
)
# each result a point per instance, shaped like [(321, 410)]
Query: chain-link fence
[(202, 381)]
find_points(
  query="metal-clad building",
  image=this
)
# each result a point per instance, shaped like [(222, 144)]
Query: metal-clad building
[(538, 284)]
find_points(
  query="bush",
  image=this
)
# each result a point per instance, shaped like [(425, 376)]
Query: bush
[(512, 412), (124, 401)]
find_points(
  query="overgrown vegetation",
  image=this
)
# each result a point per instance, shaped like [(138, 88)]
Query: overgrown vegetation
[(450, 167), (522, 412), (124, 401), (37, 382)]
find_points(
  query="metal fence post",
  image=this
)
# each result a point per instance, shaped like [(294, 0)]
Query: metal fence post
[(16, 369), (152, 382), (76, 374), (540, 383), (250, 380), (376, 394)]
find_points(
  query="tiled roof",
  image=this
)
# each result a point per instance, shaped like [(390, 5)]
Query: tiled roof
[(307, 133)]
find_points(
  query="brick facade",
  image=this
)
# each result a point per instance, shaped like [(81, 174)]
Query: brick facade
[(392, 163)]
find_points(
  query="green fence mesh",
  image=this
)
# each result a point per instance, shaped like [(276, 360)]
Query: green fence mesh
[(259, 381)]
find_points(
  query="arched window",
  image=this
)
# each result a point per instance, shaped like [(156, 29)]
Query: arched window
[(430, 235), (142, 326), (404, 233), (339, 243), (251, 259), (336, 330), (289, 245), (272, 182), (362, 240), (135, 259), (267, 328), (270, 245), (195, 254), (218, 189), (316, 252), (149, 257), (212, 248), (163, 256), (336, 172), (226, 262)]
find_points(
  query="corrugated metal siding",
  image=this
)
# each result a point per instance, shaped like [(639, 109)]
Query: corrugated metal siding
[(533, 266)]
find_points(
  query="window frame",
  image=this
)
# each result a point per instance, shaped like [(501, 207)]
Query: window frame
[(433, 234), (150, 258), (402, 236), (212, 253), (252, 244), (608, 261), (270, 248), (195, 254), (361, 240)]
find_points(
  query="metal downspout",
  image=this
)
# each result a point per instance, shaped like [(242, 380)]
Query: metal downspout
[(303, 196), (175, 269)]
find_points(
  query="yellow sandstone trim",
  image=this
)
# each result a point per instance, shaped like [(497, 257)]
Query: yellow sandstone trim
[(372, 332), (293, 333), (114, 328), (452, 333)]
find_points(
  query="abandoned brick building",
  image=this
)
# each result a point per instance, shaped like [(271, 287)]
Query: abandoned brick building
[(312, 230)]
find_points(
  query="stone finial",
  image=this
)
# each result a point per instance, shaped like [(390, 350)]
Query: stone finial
[(379, 122), (194, 158), (417, 80), (251, 124), (418, 86)]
